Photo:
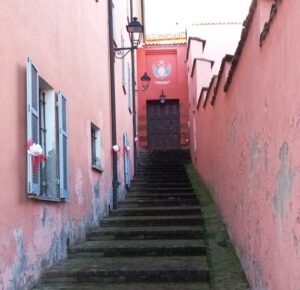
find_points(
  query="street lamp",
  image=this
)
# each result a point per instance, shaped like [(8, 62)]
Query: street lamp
[(162, 97), (135, 30), (145, 82)]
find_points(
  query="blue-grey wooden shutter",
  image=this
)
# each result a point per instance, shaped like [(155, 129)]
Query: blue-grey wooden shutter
[(33, 132), (126, 161), (63, 147)]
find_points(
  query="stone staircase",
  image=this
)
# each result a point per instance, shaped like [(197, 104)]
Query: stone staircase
[(153, 241)]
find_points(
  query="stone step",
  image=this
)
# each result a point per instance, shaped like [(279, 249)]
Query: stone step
[(127, 286), (167, 210), (133, 202), (164, 189), (161, 172), (138, 248), (178, 175), (163, 195), (160, 185), (150, 233), (142, 178), (161, 169), (134, 269), (148, 221)]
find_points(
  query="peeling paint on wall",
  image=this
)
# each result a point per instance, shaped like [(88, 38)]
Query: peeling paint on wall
[(96, 203), (266, 153), (233, 132), (254, 157), (44, 217), (19, 278), (284, 181), (79, 186), (296, 242), (260, 284), (295, 121)]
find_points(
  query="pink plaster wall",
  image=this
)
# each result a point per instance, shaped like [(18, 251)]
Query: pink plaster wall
[(248, 151), (68, 41)]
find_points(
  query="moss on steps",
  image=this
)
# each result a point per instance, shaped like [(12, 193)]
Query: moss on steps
[(224, 267)]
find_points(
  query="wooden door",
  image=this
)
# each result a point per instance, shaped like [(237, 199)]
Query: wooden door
[(163, 125)]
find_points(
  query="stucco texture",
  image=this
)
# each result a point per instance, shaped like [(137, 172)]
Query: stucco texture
[(68, 42), (247, 150)]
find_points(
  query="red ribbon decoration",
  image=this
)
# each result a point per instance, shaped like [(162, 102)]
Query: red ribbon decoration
[(37, 159), (116, 152)]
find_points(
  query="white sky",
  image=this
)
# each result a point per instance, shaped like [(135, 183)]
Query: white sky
[(164, 16)]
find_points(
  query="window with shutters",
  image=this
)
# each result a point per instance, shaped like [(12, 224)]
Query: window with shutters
[(46, 126), (96, 148)]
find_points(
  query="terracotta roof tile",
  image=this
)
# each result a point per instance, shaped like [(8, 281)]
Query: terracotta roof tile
[(166, 38)]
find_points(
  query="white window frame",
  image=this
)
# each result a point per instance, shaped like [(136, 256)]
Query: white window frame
[(96, 163)]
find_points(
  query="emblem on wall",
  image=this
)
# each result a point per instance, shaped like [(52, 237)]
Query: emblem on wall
[(162, 71)]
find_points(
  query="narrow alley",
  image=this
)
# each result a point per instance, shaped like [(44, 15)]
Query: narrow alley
[(155, 240), (149, 145)]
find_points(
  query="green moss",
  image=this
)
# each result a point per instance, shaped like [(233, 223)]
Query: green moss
[(224, 266)]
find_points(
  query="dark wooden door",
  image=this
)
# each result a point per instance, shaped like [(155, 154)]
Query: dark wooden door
[(163, 125)]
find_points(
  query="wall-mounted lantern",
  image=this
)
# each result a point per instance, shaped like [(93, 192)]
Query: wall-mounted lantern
[(145, 82), (162, 97), (135, 30)]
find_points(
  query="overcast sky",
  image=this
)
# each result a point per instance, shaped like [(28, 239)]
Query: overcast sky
[(163, 16)]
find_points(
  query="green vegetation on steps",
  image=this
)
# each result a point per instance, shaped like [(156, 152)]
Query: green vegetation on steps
[(224, 267)]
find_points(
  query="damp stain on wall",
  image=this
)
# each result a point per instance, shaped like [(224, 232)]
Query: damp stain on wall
[(19, 278), (284, 181)]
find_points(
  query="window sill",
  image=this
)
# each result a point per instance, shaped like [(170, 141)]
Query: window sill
[(47, 198), (97, 168)]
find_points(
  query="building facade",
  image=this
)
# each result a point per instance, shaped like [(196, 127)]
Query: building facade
[(163, 109), (246, 141), (56, 90)]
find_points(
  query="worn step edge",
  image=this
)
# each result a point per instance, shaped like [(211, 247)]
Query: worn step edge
[(141, 252), (100, 246), (161, 195), (139, 233), (165, 210), (134, 269), (157, 202), (127, 286), (152, 221)]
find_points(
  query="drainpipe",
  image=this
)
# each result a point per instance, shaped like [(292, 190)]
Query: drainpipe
[(115, 181), (133, 101)]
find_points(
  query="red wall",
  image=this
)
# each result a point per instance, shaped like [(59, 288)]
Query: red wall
[(174, 85), (248, 150)]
